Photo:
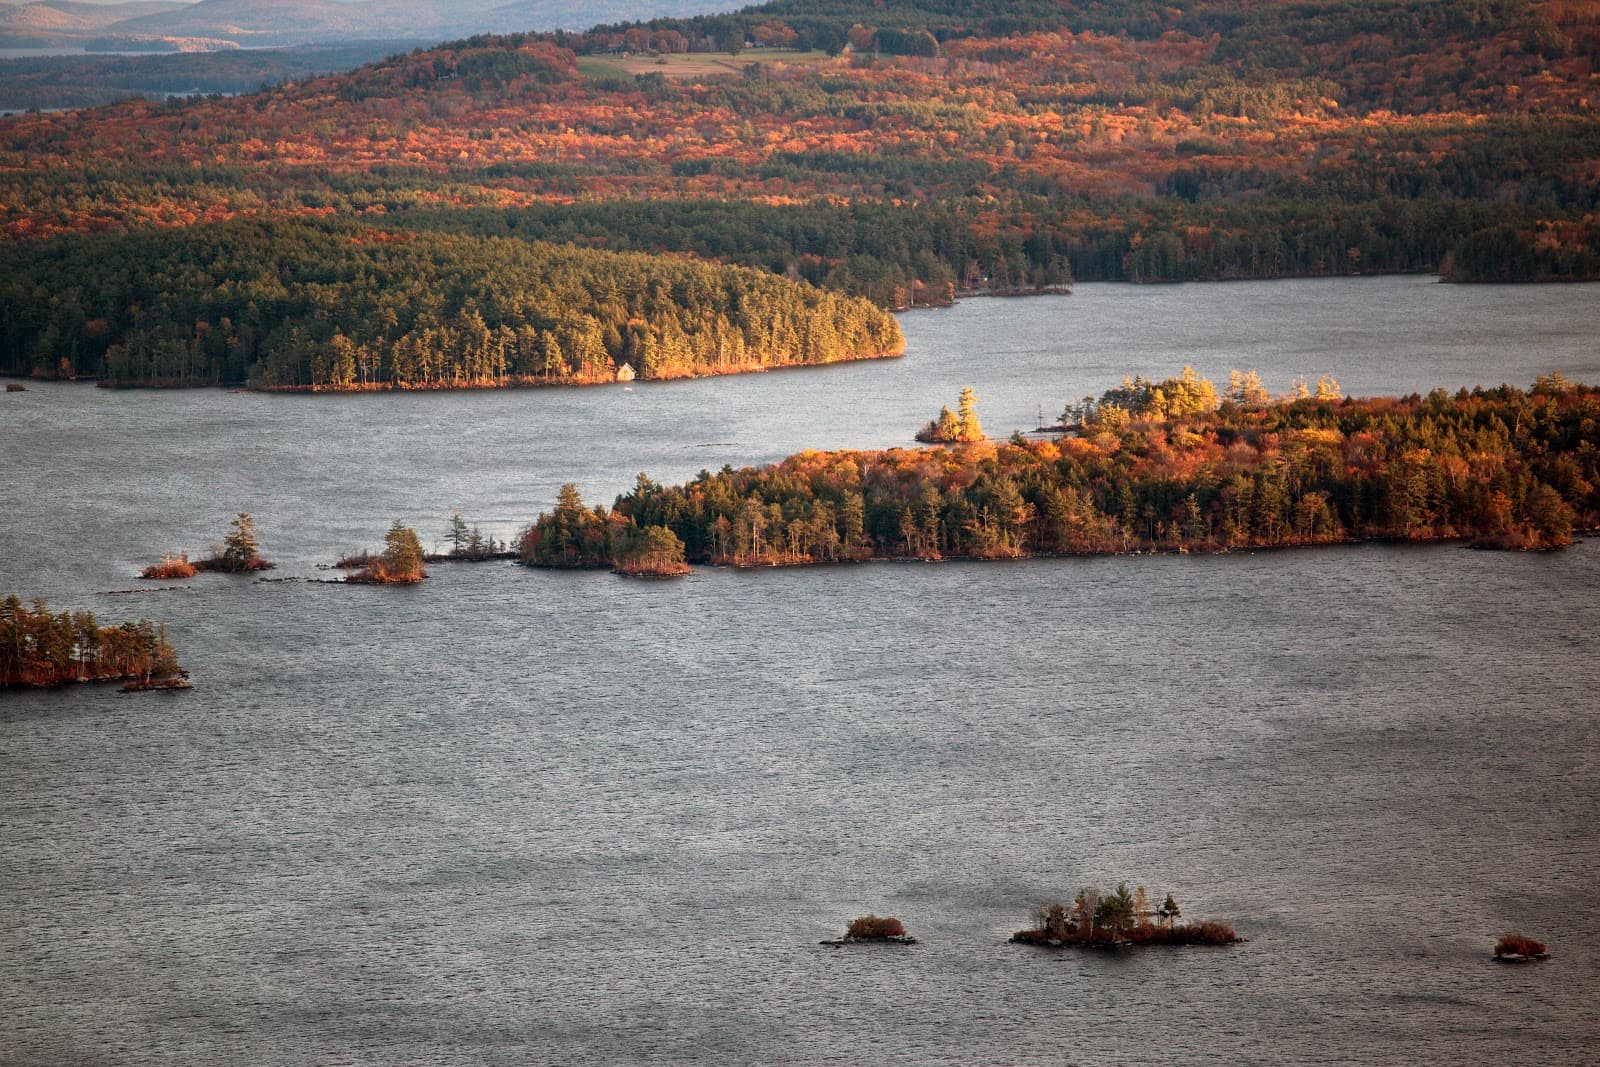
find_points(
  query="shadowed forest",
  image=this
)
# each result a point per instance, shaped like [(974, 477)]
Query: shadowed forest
[(336, 305)]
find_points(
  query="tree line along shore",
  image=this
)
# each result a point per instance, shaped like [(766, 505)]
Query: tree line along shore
[(295, 305), (1172, 466), (1149, 466), (42, 649)]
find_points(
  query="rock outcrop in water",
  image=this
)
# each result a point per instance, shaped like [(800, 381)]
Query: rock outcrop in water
[(872, 929)]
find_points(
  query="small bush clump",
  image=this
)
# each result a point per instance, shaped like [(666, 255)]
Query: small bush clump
[(1518, 945), (873, 928), (170, 567)]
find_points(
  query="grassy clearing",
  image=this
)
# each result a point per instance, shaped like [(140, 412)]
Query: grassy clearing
[(697, 64)]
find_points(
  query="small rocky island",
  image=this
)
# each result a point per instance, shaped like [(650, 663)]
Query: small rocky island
[(871, 929), (955, 427), (400, 562), (239, 553), (1116, 920), (1515, 948)]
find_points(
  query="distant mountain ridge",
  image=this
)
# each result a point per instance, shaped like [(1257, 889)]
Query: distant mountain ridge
[(66, 16), (282, 23)]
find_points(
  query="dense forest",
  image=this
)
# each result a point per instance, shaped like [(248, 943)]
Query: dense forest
[(38, 648), (919, 149), (339, 305), (1152, 466)]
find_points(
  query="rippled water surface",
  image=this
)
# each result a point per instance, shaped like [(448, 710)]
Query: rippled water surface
[(525, 817)]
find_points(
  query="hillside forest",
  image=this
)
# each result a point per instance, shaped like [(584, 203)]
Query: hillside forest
[(904, 152), (303, 304)]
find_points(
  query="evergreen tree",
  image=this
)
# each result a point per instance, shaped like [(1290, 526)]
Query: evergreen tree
[(402, 554), (968, 427), (241, 549)]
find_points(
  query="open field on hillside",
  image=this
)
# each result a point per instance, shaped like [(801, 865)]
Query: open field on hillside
[(698, 64)]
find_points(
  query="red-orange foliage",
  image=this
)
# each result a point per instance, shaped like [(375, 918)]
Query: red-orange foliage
[(874, 928), (1206, 932), (1518, 945), (379, 572), (38, 648), (1091, 113), (170, 567)]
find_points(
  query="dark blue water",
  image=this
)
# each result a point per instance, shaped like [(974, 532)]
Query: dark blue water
[(517, 816)]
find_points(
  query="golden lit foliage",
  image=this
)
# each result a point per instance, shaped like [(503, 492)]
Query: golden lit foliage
[(1297, 472), (1221, 139)]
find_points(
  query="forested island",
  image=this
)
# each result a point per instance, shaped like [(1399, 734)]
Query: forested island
[(41, 649), (239, 553), (340, 305), (1119, 919), (1172, 466), (400, 562), (908, 151)]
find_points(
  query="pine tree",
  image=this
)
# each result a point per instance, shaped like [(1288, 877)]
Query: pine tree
[(967, 416), (241, 549), (402, 554)]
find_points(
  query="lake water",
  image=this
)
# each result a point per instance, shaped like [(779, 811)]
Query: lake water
[(519, 816)]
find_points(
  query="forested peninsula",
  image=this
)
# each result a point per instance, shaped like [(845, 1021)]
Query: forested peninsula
[(41, 649), (291, 304), (1152, 467)]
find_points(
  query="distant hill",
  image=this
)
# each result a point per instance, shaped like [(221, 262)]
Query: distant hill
[(114, 10), (64, 16), (557, 15), (86, 81), (278, 23), (256, 22), (71, 23)]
